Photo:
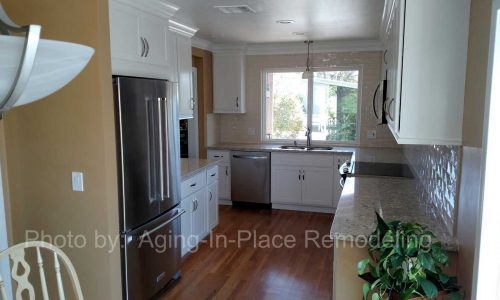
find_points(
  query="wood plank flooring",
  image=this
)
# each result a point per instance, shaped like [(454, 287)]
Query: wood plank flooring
[(250, 272)]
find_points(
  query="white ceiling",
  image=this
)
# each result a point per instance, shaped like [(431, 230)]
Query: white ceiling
[(321, 19)]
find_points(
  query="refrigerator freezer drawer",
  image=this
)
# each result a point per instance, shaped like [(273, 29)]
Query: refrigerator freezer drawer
[(152, 255)]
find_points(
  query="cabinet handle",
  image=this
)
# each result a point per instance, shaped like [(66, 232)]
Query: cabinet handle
[(227, 172), (237, 102), (385, 57), (147, 47), (193, 184), (212, 175), (192, 103), (194, 204), (143, 46), (303, 175), (299, 174), (210, 199), (375, 99), (390, 110)]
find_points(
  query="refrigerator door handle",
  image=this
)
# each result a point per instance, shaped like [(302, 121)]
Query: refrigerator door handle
[(160, 145), (180, 212), (166, 164)]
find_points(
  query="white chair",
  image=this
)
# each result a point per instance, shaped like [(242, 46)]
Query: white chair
[(16, 254)]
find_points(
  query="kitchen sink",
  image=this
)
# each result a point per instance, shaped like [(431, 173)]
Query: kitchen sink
[(310, 148), (293, 147), (319, 148)]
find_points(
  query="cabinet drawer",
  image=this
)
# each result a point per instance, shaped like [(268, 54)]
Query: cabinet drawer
[(309, 160), (194, 183), (212, 175), (223, 156)]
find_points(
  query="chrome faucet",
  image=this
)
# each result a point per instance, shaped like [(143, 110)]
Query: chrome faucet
[(308, 135)]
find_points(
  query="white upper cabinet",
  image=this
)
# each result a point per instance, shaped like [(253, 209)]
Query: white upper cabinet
[(183, 69), (140, 38), (426, 45), (229, 81)]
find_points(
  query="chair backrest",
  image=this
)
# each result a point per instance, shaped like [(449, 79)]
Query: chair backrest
[(16, 254)]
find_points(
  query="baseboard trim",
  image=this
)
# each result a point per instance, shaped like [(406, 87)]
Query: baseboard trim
[(225, 202), (327, 210)]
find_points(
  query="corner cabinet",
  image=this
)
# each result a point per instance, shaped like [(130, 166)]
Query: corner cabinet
[(229, 81), (140, 38), (426, 44), (183, 66), (302, 182)]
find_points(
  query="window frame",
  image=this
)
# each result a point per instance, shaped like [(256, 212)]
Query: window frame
[(310, 99)]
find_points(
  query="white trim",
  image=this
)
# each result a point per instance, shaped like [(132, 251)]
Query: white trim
[(486, 276), (310, 96), (182, 29), (225, 202), (319, 47), (201, 43), (160, 8)]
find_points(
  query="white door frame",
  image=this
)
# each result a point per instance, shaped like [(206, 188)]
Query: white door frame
[(193, 140), (486, 282)]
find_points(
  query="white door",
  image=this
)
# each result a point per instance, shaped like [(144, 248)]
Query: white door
[(155, 33), (317, 187), (225, 181), (286, 185), (124, 28), (184, 60), (199, 223), (186, 224), (213, 205)]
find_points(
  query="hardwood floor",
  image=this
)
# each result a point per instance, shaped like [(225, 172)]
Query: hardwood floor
[(250, 272)]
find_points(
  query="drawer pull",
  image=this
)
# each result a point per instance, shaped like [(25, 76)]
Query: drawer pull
[(193, 184), (212, 175)]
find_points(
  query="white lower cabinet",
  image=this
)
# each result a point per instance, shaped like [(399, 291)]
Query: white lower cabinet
[(200, 201), (302, 180), (224, 158), (213, 205)]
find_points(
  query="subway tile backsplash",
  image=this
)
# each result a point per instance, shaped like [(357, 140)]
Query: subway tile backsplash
[(437, 169)]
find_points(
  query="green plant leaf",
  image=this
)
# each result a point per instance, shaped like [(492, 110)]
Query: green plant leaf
[(366, 290), (455, 296), (362, 265), (407, 294), (381, 225), (429, 288), (426, 261), (444, 278), (375, 296)]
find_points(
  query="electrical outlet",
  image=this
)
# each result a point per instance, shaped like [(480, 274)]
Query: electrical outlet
[(77, 181), (372, 134)]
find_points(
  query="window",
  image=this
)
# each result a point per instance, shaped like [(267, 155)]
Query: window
[(332, 114)]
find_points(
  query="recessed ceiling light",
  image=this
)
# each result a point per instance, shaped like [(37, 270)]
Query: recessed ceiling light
[(285, 21), (299, 33)]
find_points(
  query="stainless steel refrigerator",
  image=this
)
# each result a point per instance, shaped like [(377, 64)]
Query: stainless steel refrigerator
[(149, 172)]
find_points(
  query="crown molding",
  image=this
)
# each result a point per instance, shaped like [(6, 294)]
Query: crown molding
[(230, 48), (317, 47), (160, 8), (201, 43), (182, 29)]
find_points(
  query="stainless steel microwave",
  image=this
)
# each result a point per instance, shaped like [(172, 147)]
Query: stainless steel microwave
[(379, 97)]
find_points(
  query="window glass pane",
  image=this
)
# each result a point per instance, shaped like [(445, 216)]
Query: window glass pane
[(286, 105), (335, 106)]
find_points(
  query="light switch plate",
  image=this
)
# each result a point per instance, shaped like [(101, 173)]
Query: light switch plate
[(372, 134), (77, 181)]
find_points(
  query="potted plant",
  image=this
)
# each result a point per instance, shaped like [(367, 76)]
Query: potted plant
[(406, 262)]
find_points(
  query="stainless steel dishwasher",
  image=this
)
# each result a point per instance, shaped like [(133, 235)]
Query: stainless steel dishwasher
[(250, 177)]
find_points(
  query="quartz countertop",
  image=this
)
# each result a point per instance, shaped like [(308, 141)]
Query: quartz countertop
[(392, 198), (385, 155), (190, 166)]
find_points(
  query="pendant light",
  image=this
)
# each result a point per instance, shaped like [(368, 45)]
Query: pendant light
[(308, 73), (32, 68)]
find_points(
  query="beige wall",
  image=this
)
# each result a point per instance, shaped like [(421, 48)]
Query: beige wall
[(71, 130), (475, 93), (234, 127)]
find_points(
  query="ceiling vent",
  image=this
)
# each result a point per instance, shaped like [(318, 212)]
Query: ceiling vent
[(235, 9)]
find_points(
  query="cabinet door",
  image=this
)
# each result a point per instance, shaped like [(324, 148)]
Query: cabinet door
[(286, 185), (337, 188), (185, 71), (317, 187), (225, 181), (124, 32), (155, 32), (186, 225), (213, 205), (199, 223), (228, 83)]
